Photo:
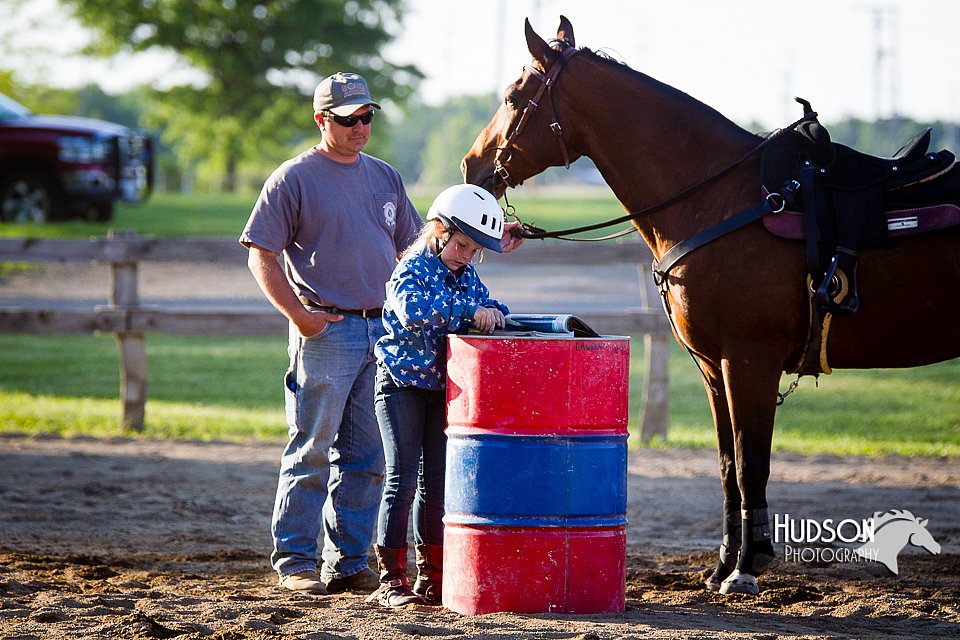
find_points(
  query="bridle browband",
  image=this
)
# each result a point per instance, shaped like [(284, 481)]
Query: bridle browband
[(546, 86), (547, 81)]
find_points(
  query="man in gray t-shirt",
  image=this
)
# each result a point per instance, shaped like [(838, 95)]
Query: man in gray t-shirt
[(337, 219)]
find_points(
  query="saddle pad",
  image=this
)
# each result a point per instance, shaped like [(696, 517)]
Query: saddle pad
[(903, 222)]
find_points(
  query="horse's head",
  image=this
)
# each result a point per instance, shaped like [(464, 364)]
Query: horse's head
[(922, 538), (525, 136), (905, 528)]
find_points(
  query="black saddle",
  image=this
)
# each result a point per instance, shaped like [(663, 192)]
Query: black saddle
[(845, 194)]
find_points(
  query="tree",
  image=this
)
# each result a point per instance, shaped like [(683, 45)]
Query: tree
[(430, 142), (261, 61)]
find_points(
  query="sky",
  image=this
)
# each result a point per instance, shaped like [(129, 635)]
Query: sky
[(747, 59)]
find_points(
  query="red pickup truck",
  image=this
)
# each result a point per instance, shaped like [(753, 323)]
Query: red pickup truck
[(58, 167)]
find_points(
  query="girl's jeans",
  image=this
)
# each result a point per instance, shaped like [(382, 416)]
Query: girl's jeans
[(331, 472), (411, 422)]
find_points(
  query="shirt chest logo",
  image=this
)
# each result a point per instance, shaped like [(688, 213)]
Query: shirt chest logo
[(390, 214)]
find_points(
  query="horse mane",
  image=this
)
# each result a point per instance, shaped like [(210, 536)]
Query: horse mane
[(881, 519), (608, 59)]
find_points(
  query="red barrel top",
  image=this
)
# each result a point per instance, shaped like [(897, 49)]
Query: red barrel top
[(538, 385)]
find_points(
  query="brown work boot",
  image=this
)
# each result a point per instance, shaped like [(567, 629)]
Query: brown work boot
[(363, 581), (394, 589), (429, 585), (304, 582)]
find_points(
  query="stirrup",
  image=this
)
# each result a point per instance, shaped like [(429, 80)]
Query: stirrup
[(838, 292)]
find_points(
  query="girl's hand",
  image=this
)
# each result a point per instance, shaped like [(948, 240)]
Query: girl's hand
[(486, 319)]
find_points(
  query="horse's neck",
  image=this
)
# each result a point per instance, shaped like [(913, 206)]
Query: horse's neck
[(893, 537), (650, 142)]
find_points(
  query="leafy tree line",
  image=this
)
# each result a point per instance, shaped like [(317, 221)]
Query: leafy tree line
[(425, 143)]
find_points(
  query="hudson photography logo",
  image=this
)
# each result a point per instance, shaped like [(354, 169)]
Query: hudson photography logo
[(879, 538)]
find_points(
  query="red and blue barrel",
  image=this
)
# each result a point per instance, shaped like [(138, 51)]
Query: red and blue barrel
[(536, 481)]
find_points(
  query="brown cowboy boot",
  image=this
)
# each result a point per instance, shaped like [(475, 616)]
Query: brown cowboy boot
[(394, 589), (429, 584)]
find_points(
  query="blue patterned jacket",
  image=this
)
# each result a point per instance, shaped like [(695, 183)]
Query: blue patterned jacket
[(425, 302)]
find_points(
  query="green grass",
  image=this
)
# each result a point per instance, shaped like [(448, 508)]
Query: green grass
[(851, 412), (172, 215), (199, 388), (229, 389), (164, 215)]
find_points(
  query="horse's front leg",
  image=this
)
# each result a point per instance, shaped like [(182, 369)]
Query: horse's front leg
[(751, 389), (730, 544)]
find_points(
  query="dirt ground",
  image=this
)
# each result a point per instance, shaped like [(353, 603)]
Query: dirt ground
[(133, 539)]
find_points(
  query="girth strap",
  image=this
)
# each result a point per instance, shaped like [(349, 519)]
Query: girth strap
[(809, 195)]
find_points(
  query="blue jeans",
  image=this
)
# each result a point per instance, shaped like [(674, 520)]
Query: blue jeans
[(415, 447), (331, 472)]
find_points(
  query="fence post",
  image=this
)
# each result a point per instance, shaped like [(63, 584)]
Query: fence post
[(655, 402), (133, 352)]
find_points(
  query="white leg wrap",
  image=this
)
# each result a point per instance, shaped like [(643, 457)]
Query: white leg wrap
[(740, 583)]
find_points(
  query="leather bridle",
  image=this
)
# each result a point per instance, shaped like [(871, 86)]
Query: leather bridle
[(547, 79)]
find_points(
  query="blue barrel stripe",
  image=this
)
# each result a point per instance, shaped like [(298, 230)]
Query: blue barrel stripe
[(562, 481), (560, 522)]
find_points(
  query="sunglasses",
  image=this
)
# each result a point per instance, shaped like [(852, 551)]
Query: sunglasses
[(351, 121)]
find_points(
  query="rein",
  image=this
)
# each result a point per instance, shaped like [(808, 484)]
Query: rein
[(536, 233)]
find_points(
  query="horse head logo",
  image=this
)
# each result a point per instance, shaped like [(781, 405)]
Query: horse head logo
[(892, 531)]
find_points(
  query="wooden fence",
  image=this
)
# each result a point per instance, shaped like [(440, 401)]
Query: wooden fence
[(129, 320)]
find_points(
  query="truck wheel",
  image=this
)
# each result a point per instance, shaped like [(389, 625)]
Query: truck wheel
[(28, 196), (103, 211)]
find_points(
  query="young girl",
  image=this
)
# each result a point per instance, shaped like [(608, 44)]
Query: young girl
[(434, 291)]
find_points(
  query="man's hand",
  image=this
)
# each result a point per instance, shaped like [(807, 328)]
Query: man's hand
[(266, 270), (316, 321), (486, 319), (511, 238)]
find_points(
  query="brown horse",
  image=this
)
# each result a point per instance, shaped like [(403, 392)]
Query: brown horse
[(739, 304)]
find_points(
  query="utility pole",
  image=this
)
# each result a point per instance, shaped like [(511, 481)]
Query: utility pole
[(500, 28), (885, 60)]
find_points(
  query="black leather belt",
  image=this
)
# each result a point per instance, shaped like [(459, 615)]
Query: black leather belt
[(376, 312), (365, 313)]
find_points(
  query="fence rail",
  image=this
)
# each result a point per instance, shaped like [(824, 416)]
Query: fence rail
[(129, 320)]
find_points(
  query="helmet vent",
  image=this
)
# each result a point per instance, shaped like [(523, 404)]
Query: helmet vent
[(483, 220)]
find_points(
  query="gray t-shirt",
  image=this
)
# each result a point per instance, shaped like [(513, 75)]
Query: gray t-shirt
[(338, 226)]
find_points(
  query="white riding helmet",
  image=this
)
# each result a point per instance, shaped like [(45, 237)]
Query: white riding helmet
[(471, 210)]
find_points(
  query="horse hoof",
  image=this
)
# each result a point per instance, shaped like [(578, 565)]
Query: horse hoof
[(712, 584), (740, 583)]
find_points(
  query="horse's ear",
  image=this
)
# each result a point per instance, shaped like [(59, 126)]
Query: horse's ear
[(537, 47), (923, 523), (565, 32)]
